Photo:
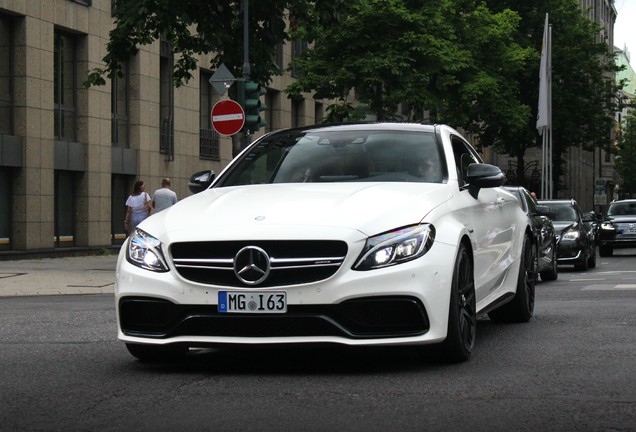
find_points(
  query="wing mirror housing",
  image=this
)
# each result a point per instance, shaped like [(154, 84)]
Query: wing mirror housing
[(200, 181), (479, 176)]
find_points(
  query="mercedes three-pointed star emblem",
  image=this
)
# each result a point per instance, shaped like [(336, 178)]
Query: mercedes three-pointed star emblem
[(252, 265)]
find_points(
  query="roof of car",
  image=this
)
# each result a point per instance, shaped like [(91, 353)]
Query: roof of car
[(554, 201), (630, 200), (370, 126)]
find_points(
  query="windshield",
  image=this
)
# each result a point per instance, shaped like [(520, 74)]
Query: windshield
[(340, 156), (563, 213), (622, 209)]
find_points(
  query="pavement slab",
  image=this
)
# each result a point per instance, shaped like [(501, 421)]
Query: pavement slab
[(58, 276)]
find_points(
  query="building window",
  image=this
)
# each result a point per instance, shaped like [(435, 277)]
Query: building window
[(6, 176), (279, 57), (119, 109), (319, 112), (208, 138), (6, 76), (166, 100), (298, 47), (64, 87), (64, 208), (272, 101), (297, 112)]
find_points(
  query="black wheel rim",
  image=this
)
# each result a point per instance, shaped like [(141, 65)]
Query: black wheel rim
[(466, 302), (530, 278)]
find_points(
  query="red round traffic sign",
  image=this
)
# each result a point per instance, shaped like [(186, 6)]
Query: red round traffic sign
[(227, 117)]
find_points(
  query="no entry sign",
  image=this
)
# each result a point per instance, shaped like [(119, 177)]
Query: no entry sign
[(227, 117)]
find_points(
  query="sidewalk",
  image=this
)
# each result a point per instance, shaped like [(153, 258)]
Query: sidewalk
[(56, 276)]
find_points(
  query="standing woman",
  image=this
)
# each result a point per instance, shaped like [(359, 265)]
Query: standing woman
[(138, 207)]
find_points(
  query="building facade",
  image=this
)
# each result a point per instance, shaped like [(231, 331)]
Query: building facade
[(69, 156)]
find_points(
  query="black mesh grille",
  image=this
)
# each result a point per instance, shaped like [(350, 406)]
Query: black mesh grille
[(369, 317), (293, 262)]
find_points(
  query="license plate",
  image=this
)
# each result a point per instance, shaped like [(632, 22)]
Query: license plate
[(253, 302)]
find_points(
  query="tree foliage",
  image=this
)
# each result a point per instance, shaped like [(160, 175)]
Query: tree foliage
[(626, 159), (454, 59), (583, 82), (196, 27)]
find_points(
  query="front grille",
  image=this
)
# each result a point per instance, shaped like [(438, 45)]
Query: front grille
[(368, 317), (292, 262)]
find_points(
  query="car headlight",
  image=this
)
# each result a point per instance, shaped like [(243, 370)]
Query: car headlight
[(394, 247), (145, 251), (571, 235), (607, 226)]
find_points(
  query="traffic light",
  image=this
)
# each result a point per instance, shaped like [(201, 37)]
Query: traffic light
[(250, 98)]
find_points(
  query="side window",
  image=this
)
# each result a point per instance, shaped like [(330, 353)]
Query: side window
[(464, 156), (532, 204)]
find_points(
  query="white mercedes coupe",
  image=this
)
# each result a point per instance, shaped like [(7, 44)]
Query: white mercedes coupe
[(365, 234)]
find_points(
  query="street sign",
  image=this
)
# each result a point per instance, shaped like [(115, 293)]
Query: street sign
[(600, 199), (227, 117), (222, 79)]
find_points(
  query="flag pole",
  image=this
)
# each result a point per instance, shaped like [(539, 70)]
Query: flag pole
[(550, 161), (544, 111)]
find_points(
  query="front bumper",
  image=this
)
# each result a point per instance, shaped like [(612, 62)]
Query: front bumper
[(571, 253), (617, 240), (360, 318), (402, 304)]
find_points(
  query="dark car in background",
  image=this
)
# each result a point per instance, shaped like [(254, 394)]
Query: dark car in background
[(618, 229), (576, 242), (543, 230)]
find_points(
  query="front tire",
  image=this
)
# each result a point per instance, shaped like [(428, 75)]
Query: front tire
[(591, 261), (521, 308), (552, 273), (462, 313), (582, 266)]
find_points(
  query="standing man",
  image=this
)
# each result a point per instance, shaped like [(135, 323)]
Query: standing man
[(164, 197)]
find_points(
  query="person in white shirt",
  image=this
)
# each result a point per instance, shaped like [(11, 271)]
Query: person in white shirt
[(138, 207), (164, 197)]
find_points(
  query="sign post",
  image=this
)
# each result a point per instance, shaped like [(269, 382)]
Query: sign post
[(227, 117)]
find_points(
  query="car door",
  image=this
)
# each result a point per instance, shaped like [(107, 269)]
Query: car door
[(543, 228), (490, 217)]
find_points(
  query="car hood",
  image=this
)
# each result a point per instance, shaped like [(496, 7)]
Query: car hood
[(623, 219), (560, 226), (279, 210)]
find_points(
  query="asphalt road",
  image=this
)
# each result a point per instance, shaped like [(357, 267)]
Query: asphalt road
[(571, 368)]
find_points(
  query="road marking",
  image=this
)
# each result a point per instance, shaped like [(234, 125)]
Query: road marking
[(609, 287), (8, 275), (585, 280), (617, 271)]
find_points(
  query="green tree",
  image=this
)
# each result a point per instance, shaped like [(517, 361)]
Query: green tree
[(452, 60), (583, 82), (196, 27), (626, 158)]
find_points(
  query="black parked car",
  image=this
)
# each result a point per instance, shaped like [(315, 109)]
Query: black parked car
[(618, 229), (544, 232), (576, 243)]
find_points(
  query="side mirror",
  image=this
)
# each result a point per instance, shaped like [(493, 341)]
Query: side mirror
[(200, 181), (589, 217), (481, 176)]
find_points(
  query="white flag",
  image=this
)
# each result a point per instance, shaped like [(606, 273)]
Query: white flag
[(543, 113)]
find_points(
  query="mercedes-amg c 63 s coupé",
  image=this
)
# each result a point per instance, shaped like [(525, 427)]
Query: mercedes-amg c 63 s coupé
[(366, 234)]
